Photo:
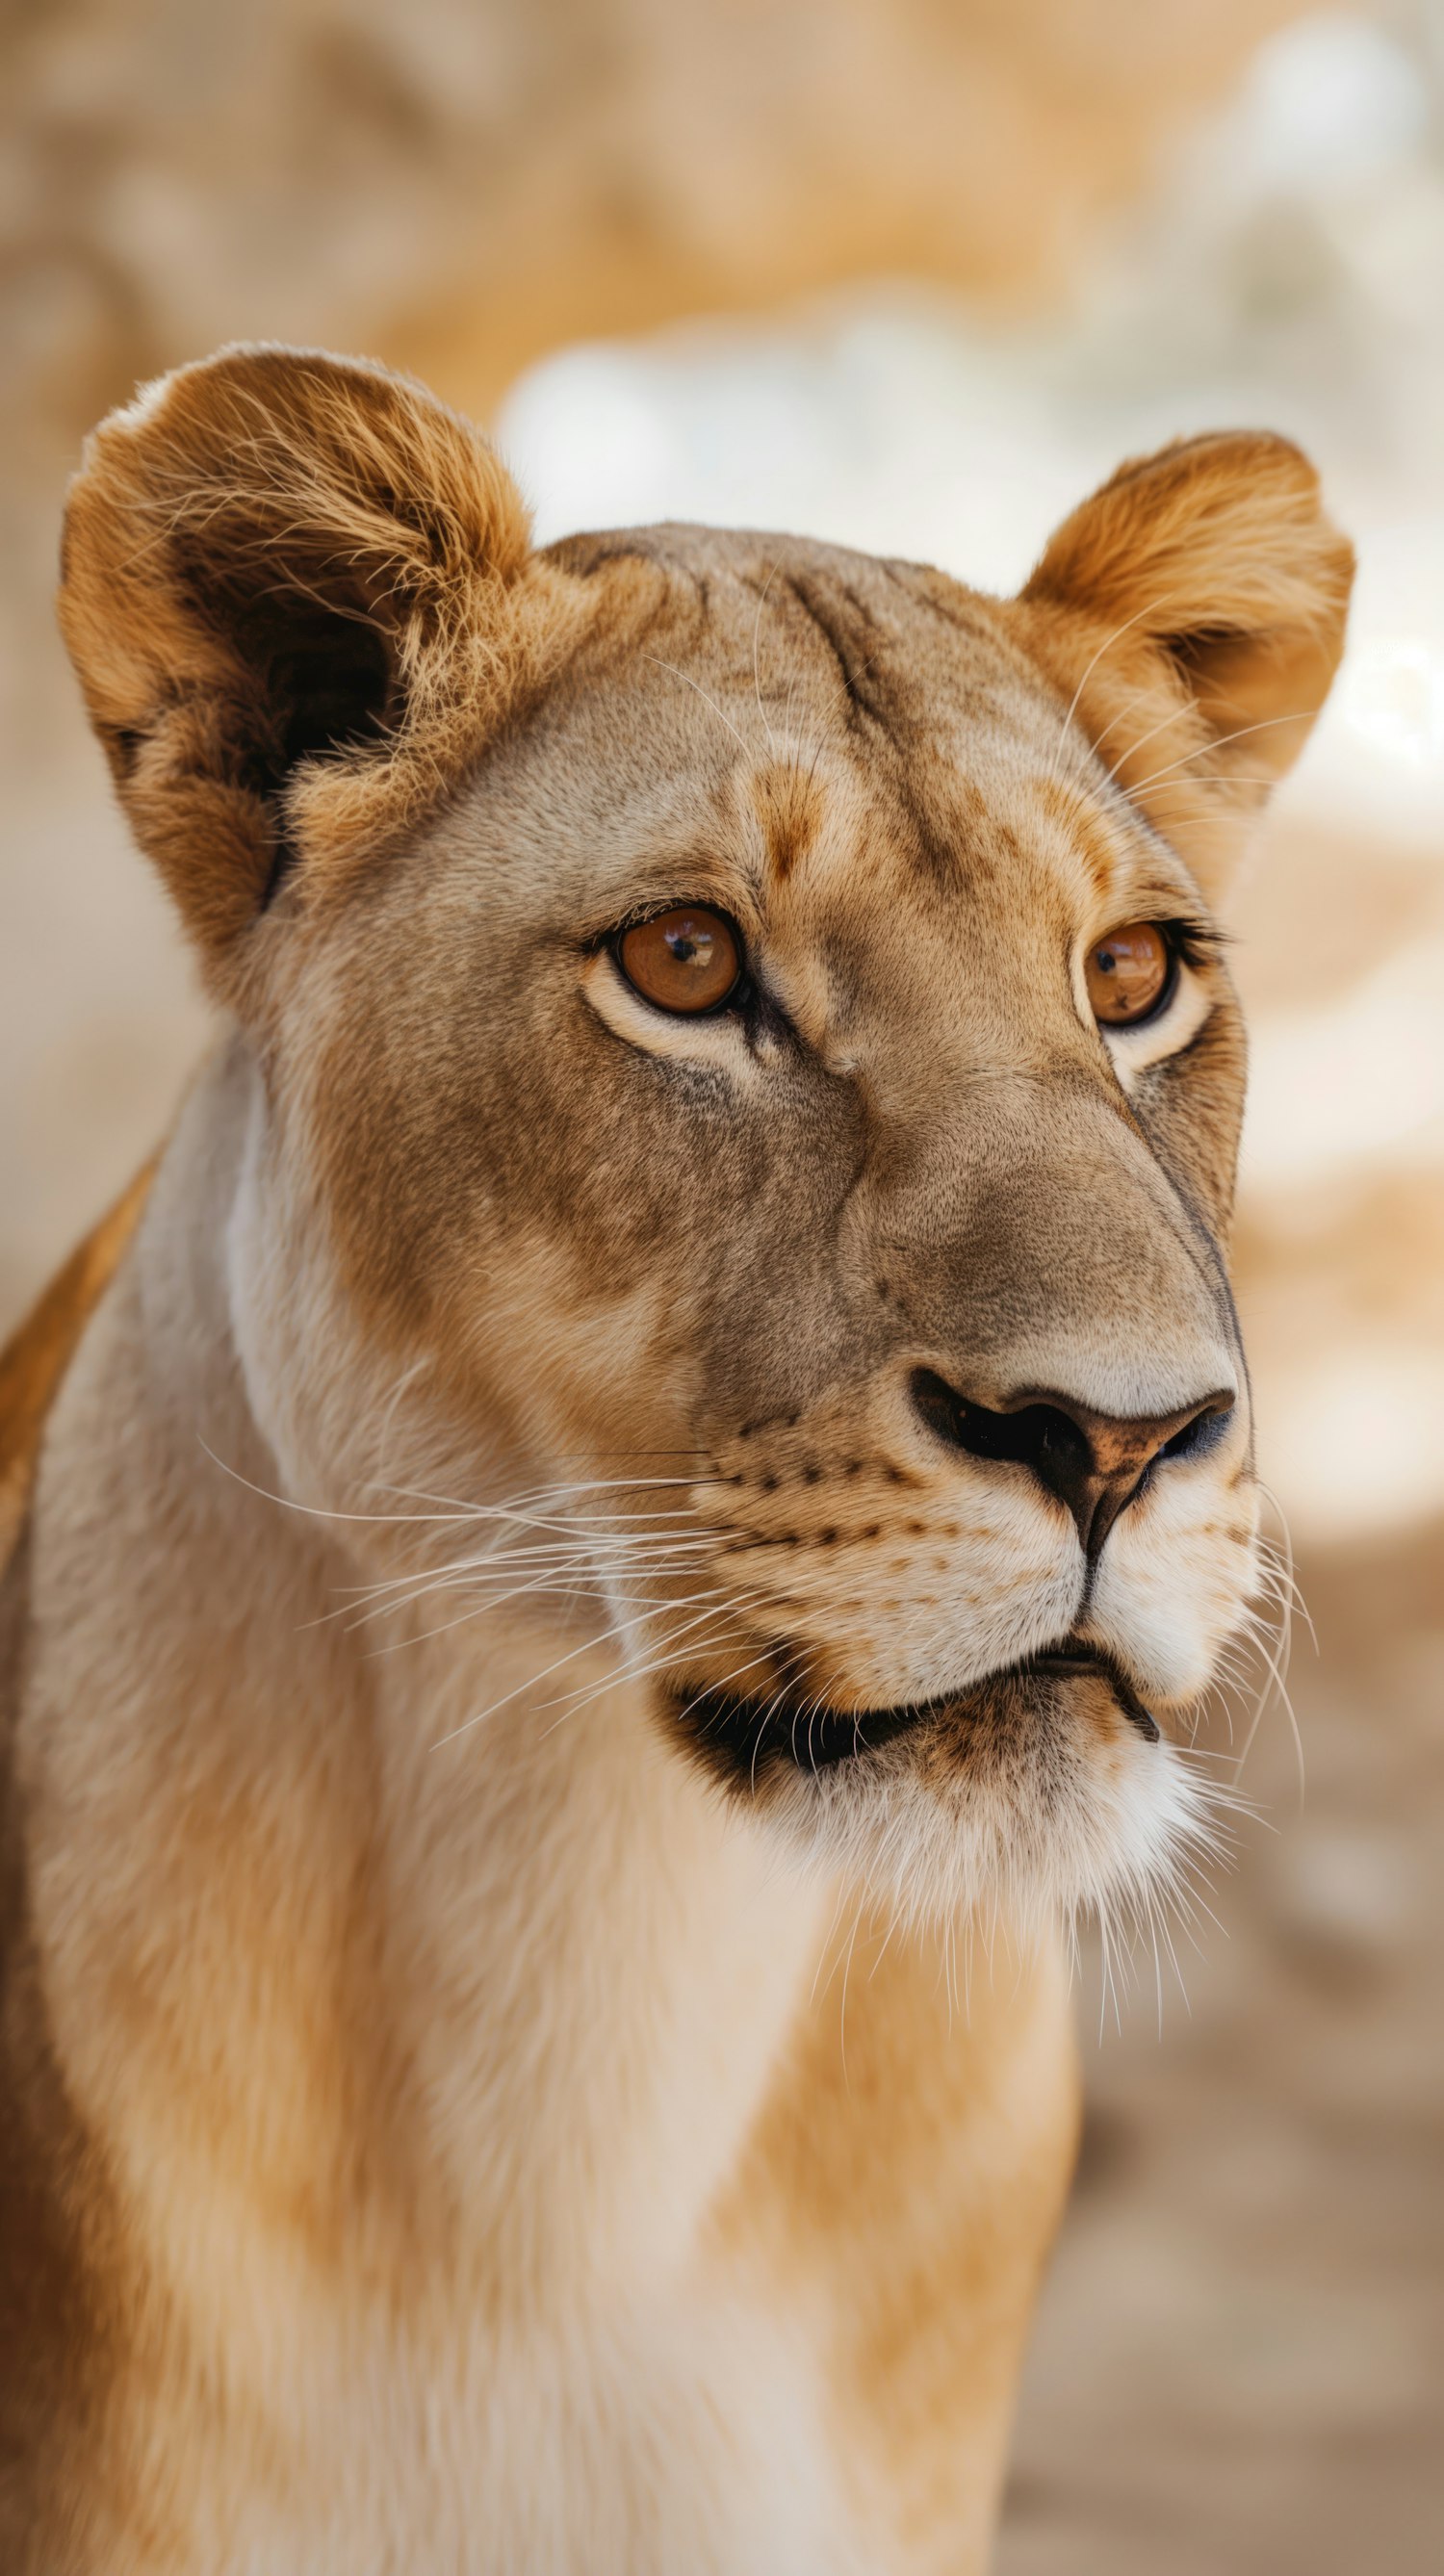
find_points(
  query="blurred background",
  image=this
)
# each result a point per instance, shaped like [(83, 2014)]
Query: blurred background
[(913, 274)]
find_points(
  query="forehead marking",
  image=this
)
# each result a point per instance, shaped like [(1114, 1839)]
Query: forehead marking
[(788, 804), (832, 618)]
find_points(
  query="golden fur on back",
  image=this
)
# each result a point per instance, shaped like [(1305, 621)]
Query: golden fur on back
[(590, 1588)]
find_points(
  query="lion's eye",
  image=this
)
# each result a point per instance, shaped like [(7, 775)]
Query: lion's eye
[(1128, 974), (687, 960)]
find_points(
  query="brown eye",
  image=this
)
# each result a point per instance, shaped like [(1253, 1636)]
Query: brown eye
[(687, 960), (1128, 973)]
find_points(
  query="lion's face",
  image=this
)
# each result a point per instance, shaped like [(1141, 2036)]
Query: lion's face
[(708, 1114)]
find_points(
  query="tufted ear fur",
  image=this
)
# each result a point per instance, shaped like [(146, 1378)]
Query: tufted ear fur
[(1193, 612), (299, 594)]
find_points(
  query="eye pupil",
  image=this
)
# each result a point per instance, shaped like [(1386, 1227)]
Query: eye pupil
[(684, 961)]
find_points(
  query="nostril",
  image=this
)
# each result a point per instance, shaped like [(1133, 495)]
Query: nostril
[(938, 1403), (1039, 1436), (1203, 1433)]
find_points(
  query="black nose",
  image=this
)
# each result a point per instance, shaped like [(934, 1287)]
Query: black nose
[(1093, 1462)]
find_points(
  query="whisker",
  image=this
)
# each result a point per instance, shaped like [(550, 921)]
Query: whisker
[(1088, 670), (1131, 753), (702, 693), (1215, 744), (318, 1511), (756, 673), (635, 1673)]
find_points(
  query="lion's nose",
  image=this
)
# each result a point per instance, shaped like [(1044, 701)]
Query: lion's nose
[(1093, 1462)]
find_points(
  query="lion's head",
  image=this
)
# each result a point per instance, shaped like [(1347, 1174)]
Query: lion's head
[(747, 1079)]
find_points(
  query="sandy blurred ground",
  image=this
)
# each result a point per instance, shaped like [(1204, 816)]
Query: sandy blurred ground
[(1238, 2365)]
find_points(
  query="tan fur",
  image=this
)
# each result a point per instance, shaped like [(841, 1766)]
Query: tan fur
[(534, 2027), (1217, 551), (233, 503), (35, 1359)]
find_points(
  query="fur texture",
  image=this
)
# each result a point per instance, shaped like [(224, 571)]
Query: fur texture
[(561, 1594)]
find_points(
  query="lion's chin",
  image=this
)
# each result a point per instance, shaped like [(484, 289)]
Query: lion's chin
[(748, 1734), (1047, 1785)]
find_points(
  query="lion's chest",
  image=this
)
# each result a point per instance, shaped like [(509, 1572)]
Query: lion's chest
[(685, 2438)]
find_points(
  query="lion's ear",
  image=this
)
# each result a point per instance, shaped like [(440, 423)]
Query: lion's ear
[(1193, 614), (298, 593)]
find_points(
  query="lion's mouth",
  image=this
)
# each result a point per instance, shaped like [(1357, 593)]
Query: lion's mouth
[(746, 1732)]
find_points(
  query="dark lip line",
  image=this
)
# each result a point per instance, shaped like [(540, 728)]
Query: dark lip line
[(834, 1736), (1085, 1658)]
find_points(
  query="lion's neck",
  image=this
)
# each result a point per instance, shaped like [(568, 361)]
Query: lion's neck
[(490, 1997)]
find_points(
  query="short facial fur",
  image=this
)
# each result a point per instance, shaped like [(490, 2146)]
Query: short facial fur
[(853, 1367)]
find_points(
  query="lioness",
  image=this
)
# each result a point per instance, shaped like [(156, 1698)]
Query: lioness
[(668, 1432)]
